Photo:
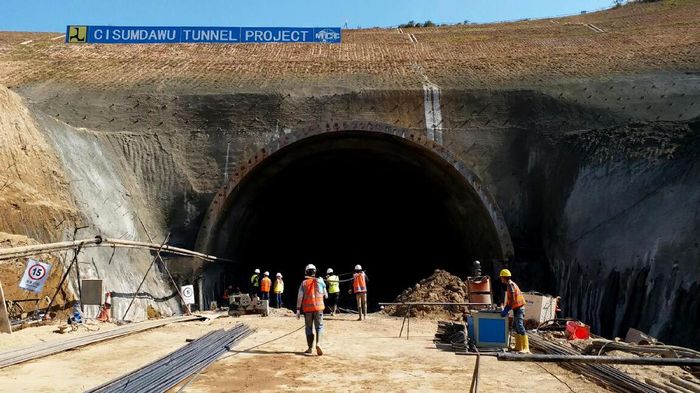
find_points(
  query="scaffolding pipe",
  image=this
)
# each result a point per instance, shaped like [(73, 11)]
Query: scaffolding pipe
[(97, 241), (642, 361)]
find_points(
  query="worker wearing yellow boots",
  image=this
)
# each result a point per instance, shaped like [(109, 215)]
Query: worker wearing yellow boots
[(515, 301)]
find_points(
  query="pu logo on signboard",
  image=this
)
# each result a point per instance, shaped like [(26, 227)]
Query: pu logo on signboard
[(327, 35), (77, 34)]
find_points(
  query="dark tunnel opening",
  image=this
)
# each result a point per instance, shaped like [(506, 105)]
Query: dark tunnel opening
[(346, 198)]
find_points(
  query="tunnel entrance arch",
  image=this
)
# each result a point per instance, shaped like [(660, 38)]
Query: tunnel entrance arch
[(340, 193)]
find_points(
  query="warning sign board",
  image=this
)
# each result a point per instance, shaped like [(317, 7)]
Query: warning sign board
[(187, 293), (35, 275)]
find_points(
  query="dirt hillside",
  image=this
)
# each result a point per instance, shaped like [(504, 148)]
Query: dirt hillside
[(634, 38), (34, 194)]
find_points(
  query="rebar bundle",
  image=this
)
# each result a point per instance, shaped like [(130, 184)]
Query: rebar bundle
[(604, 375), (166, 372)]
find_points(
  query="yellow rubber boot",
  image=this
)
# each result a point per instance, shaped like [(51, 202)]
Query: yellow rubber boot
[(518, 343), (524, 344)]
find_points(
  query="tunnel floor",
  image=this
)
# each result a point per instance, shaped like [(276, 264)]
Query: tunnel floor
[(336, 201)]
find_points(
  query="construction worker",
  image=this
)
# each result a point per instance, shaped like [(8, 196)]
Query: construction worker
[(265, 285), (515, 301), (310, 297), (359, 287), (333, 283), (278, 288), (227, 293), (255, 283)]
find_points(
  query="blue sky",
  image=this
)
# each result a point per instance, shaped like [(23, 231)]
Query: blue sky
[(54, 15)]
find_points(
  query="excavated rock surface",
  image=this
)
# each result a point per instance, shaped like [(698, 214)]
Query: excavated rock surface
[(441, 286)]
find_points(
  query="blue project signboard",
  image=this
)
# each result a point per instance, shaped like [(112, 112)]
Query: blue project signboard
[(81, 34)]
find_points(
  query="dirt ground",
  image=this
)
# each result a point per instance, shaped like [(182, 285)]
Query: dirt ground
[(359, 356)]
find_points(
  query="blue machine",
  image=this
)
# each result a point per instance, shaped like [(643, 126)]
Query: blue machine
[(489, 329)]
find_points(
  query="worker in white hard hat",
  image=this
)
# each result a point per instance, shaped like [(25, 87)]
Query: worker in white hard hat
[(278, 289), (333, 283), (265, 286), (515, 301), (312, 292), (255, 284), (359, 288)]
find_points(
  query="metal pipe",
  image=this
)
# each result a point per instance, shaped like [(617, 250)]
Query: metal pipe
[(25, 251), (433, 304), (63, 279), (144, 277), (646, 361), (97, 241), (166, 248)]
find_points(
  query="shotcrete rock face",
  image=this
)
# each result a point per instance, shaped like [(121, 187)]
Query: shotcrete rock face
[(347, 198)]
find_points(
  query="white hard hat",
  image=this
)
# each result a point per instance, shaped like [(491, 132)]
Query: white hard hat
[(358, 267), (329, 271), (257, 271), (267, 273), (278, 275), (310, 266)]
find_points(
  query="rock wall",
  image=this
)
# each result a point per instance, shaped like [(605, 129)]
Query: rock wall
[(596, 178), (621, 233)]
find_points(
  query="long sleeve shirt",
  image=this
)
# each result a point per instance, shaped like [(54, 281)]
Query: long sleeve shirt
[(321, 287)]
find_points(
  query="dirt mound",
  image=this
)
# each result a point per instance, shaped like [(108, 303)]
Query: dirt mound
[(441, 286)]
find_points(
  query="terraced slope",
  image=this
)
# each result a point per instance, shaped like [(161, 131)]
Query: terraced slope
[(634, 39)]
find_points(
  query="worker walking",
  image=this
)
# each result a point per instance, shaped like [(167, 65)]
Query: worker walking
[(255, 283), (310, 297), (278, 289), (333, 283), (359, 287), (265, 285), (515, 301)]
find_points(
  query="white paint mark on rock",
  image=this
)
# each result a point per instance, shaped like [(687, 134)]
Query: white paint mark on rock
[(431, 105)]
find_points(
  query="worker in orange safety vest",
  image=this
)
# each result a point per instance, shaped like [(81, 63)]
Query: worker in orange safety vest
[(265, 285), (312, 292), (515, 301), (359, 288)]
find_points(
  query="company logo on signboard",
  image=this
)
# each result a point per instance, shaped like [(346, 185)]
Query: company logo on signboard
[(76, 34), (327, 35)]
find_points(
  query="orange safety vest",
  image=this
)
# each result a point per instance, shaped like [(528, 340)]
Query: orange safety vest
[(359, 285), (514, 297), (313, 299), (265, 284)]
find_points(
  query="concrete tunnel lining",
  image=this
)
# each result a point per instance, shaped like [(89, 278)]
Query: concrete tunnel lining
[(409, 205)]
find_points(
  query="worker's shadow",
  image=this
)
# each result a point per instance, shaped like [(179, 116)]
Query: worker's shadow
[(259, 352)]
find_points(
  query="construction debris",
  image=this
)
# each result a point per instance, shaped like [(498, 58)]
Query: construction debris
[(24, 354), (166, 372), (451, 336), (441, 286)]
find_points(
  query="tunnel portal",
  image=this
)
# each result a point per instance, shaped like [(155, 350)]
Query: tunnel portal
[(337, 199)]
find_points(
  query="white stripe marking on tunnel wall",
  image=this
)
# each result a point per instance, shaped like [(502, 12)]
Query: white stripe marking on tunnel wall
[(431, 106), (433, 114)]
